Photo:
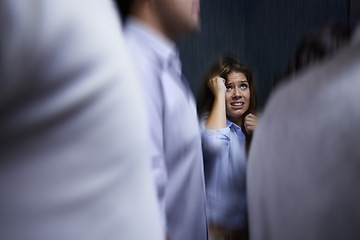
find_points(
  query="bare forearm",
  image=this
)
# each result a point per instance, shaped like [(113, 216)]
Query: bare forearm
[(217, 118)]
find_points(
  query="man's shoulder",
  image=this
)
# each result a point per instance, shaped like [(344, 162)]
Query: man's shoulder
[(142, 54)]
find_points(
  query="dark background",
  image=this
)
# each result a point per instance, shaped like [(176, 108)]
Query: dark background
[(260, 33)]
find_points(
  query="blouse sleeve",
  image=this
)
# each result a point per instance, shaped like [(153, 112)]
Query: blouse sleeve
[(214, 142)]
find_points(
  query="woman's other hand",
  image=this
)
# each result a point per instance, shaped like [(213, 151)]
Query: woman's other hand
[(250, 123)]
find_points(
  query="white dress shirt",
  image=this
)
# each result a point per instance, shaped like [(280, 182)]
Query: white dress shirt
[(175, 144), (70, 126)]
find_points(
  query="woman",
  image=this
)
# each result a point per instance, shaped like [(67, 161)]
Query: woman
[(228, 119)]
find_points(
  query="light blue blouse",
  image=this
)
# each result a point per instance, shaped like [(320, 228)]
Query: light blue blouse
[(225, 174)]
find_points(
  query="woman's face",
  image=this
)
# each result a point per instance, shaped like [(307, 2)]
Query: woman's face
[(237, 96)]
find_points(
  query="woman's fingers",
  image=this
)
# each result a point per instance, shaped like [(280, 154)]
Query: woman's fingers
[(250, 123), (217, 85)]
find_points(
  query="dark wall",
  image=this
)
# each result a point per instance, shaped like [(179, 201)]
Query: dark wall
[(355, 9), (222, 31), (261, 33)]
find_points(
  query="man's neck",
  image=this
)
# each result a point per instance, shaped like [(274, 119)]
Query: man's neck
[(146, 16)]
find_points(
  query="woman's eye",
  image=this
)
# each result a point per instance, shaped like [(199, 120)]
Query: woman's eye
[(228, 87), (244, 86)]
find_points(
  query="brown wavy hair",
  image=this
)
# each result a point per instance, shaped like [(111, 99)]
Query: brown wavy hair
[(223, 67)]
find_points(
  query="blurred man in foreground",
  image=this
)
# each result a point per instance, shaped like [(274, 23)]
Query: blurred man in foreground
[(305, 158), (175, 142), (70, 164)]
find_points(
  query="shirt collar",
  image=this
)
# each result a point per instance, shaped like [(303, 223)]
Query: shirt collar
[(165, 51), (230, 124), (235, 128)]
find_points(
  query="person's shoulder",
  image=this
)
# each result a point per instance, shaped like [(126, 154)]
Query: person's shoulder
[(142, 54), (336, 78)]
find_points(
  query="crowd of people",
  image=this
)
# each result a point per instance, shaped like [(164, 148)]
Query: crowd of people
[(102, 138)]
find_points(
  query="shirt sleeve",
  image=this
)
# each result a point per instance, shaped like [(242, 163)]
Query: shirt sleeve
[(214, 141)]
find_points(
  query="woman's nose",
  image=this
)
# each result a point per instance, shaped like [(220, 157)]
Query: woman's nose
[(237, 92)]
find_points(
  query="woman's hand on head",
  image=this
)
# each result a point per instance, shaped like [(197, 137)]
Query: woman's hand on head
[(217, 86), (217, 117), (250, 123)]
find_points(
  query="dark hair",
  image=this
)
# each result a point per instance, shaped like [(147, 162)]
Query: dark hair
[(223, 67), (319, 45)]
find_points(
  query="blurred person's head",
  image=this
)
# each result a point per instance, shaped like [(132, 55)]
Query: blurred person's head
[(319, 45), (171, 18), (240, 95)]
